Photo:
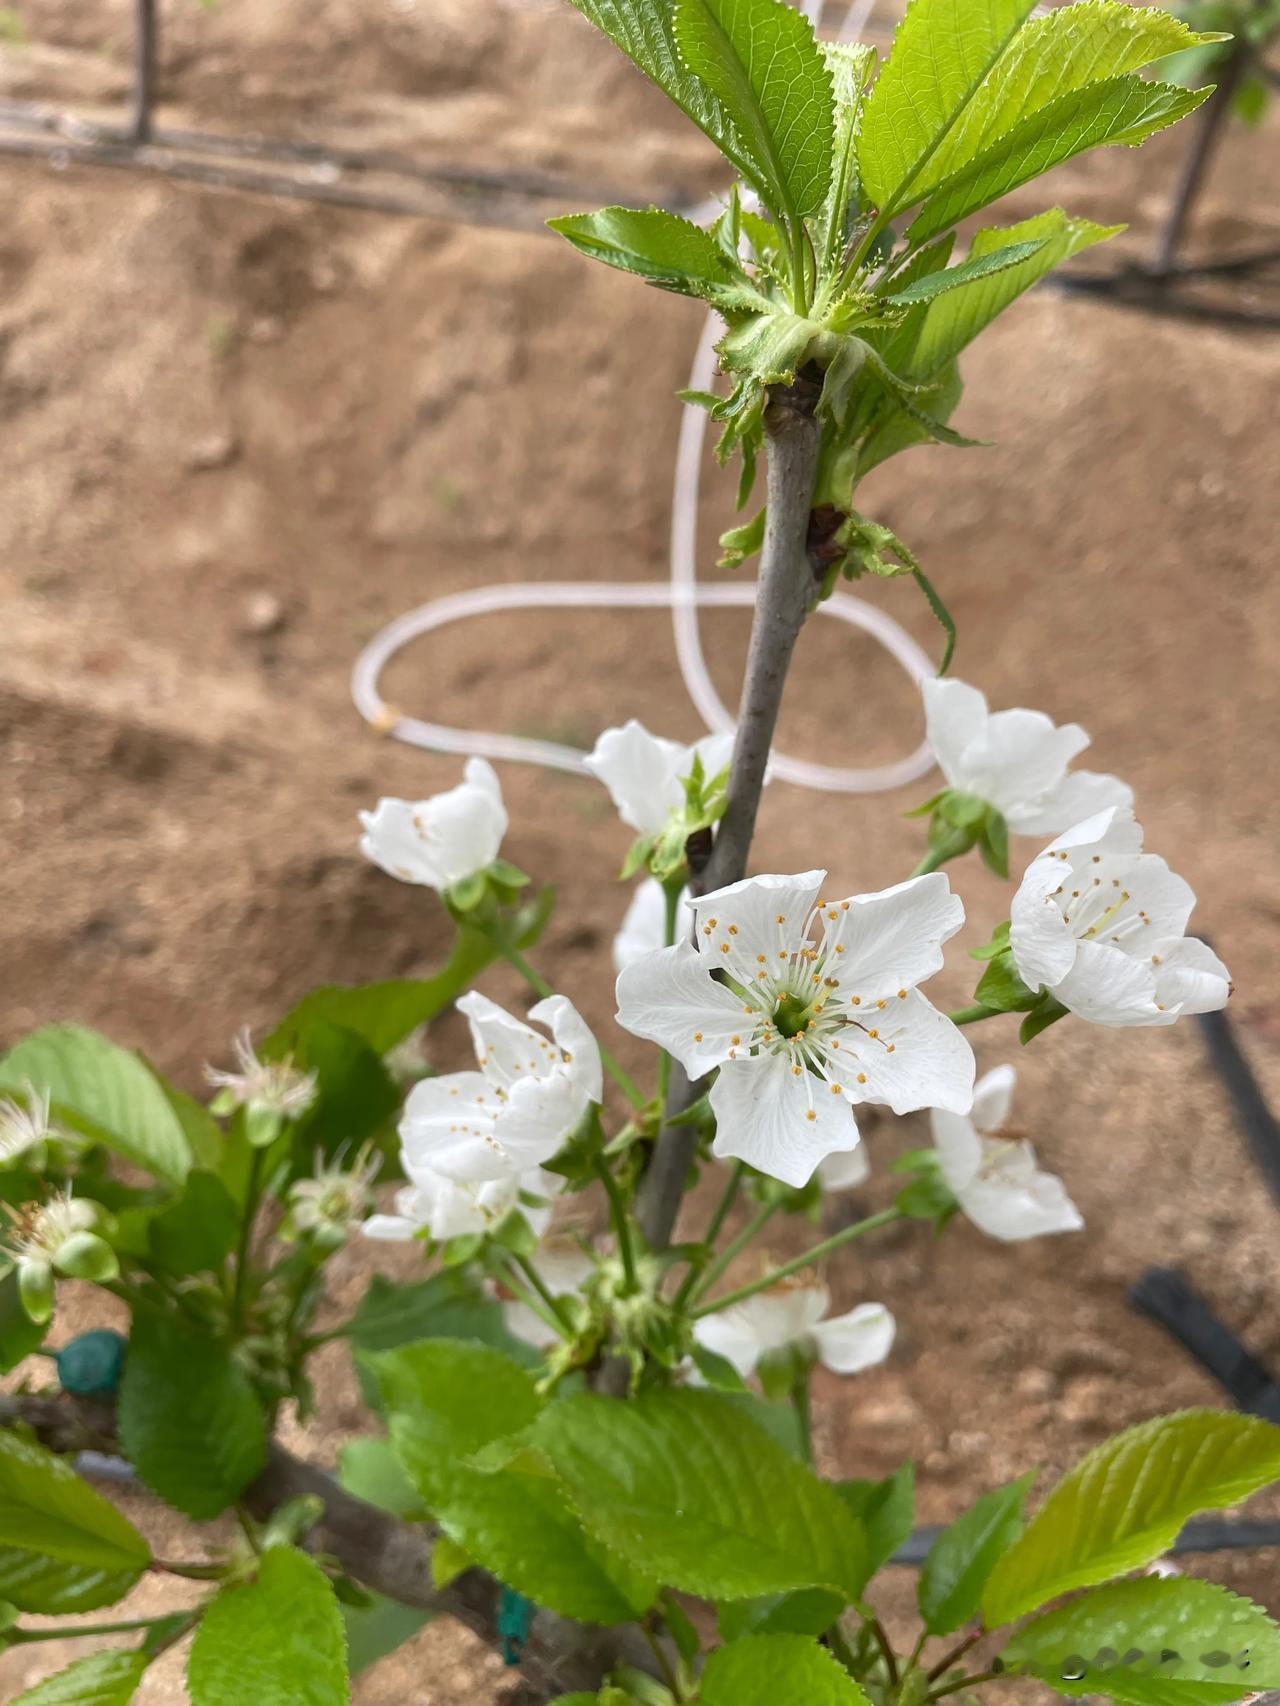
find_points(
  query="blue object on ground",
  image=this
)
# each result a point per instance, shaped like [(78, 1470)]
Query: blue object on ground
[(92, 1362)]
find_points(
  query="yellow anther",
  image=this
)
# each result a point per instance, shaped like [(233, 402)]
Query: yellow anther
[(697, 1036), (855, 1000), (844, 906), (882, 1004), (781, 918), (811, 1115), (760, 958), (889, 1047), (724, 947), (862, 1078), (735, 1040), (873, 1033), (836, 1089), (902, 995)]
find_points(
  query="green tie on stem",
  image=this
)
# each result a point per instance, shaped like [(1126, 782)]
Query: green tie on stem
[(885, 1218), (624, 1081)]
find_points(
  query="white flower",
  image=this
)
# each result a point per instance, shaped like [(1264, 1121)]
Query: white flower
[(517, 1110), (644, 924), (442, 1208), (329, 1203), (994, 1177), (1014, 760), (265, 1086), (23, 1129), (563, 1270), (794, 1315), (1101, 925), (56, 1236), (443, 840), (644, 773), (803, 1028)]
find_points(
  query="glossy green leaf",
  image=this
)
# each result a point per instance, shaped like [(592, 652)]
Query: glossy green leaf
[(964, 1555), (104, 1679), (766, 1670), (682, 1484), (660, 247), (276, 1639), (1152, 1642), (886, 1510), (762, 61), (1124, 1503), (807, 1611), (188, 1419), (444, 1401), (942, 52), (1120, 111), (104, 1092), (976, 266)]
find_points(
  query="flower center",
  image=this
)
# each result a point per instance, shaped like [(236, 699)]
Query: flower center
[(791, 1016)]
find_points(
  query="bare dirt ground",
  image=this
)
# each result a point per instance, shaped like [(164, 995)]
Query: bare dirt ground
[(240, 435)]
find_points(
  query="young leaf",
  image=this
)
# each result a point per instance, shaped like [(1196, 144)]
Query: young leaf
[(762, 61), (977, 266), (188, 1419), (104, 1679), (106, 1093), (1120, 111), (48, 1510), (850, 65), (19, 1334), (764, 1670), (1124, 1503), (807, 1611), (942, 52), (355, 1094), (668, 251), (1152, 1642), (196, 1233), (444, 1402), (277, 1638), (963, 1556), (370, 1469), (886, 1510), (752, 1519)]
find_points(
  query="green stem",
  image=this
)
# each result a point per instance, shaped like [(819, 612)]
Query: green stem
[(618, 1215), (882, 1641), (800, 1398), (663, 1663), (252, 1194), (543, 1290), (712, 1233), (954, 1656), (886, 1217), (72, 1631), (624, 1081), (733, 1248), (971, 1015), (191, 1572), (671, 894), (967, 1682), (531, 1303)]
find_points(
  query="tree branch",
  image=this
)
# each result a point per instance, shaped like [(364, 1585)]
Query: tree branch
[(376, 1549), (786, 590)]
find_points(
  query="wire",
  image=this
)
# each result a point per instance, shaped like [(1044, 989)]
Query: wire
[(682, 594)]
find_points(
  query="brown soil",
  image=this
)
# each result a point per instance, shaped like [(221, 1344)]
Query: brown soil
[(240, 435)]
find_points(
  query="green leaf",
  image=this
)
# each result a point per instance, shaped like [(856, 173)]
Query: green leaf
[(445, 1401), (384, 1014), (645, 31), (762, 61), (19, 1334), (765, 1670), (278, 1638), (1119, 111), (964, 1555), (188, 1419), (355, 1094), (370, 1469), (104, 1092), (670, 252), (850, 65), (942, 52), (448, 1305), (751, 1519), (1152, 1642), (807, 1611), (198, 1232), (1124, 1504), (377, 1629), (1071, 48), (104, 1679), (63, 1547), (977, 266), (886, 1510)]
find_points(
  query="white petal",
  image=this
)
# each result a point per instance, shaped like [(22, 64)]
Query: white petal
[(537, 1117), (769, 1321), (1190, 977), (670, 998), (1021, 756), (849, 1343), (1044, 949), (506, 1048), (759, 914), (893, 940), (578, 1049), (1109, 987), (1017, 1200), (388, 1228), (763, 1114), (845, 1171), (640, 771), (449, 1125), (959, 1148), (1082, 794), (917, 1059), (955, 716), (730, 1337), (393, 841), (1113, 831), (643, 928), (1167, 899), (992, 1098)]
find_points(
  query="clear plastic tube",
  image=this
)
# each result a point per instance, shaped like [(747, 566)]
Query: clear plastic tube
[(683, 594)]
